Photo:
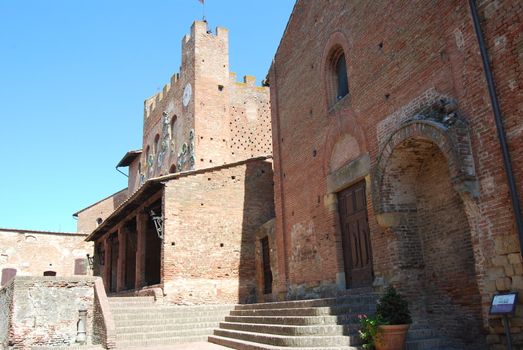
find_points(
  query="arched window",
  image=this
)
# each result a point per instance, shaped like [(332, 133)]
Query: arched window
[(148, 158), (172, 169), (341, 77), (337, 80)]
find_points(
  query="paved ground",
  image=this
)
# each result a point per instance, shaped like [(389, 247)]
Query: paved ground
[(188, 346)]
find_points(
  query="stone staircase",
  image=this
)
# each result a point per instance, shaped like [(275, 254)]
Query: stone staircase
[(141, 323), (311, 324)]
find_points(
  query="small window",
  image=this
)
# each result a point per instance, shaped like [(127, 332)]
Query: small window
[(173, 123), (337, 76), (341, 78), (98, 221), (156, 144), (172, 169)]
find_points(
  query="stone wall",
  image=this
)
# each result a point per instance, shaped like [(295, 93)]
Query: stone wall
[(31, 253), (45, 310), (210, 222), (6, 310)]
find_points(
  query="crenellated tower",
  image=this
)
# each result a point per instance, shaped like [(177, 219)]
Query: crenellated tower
[(203, 117)]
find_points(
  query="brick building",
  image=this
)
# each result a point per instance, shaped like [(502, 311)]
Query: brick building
[(198, 190), (21, 254), (388, 166)]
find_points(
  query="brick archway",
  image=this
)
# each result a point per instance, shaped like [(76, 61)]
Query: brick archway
[(452, 140), (419, 182)]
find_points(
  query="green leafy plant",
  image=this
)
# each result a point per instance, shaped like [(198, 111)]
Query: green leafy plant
[(393, 309), (369, 330)]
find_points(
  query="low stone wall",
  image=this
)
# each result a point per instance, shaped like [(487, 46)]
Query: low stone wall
[(6, 307), (44, 311)]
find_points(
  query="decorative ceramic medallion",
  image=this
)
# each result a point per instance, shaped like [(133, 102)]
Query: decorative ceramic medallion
[(187, 93)]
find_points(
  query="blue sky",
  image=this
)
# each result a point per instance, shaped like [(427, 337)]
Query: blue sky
[(73, 78)]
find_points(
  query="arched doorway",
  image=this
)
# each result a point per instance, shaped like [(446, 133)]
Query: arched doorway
[(433, 262)]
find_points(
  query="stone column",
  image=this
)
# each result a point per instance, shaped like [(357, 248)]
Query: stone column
[(122, 246), (141, 228), (107, 264)]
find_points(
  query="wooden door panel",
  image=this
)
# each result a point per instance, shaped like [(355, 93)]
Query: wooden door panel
[(357, 255)]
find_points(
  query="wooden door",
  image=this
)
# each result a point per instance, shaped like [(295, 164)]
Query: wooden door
[(357, 255), (267, 273)]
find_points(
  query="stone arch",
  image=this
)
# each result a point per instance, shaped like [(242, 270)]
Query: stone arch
[(452, 141), (421, 181), (343, 126)]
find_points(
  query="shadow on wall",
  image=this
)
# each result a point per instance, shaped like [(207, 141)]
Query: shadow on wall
[(258, 209)]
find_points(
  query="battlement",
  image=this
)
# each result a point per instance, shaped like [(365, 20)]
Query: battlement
[(248, 80), (200, 28)]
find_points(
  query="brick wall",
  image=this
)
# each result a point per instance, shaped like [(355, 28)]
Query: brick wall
[(224, 120), (210, 223), (400, 59), (31, 253), (31, 321), (87, 219)]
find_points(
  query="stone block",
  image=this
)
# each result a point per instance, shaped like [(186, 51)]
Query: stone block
[(500, 260), (506, 244), (514, 258), (517, 282), (503, 284), (493, 273), (490, 286), (509, 270), (518, 269)]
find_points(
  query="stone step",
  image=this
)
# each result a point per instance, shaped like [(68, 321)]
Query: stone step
[(308, 311), (369, 299), (248, 345), (425, 344), (165, 314), (162, 327), (171, 309), (72, 347), (295, 320), (145, 336), (131, 300), (288, 341), (159, 342), (319, 330), (421, 333), (173, 321)]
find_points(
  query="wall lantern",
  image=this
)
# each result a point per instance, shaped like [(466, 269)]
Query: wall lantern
[(90, 261), (158, 223)]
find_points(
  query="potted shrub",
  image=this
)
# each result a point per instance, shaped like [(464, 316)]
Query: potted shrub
[(393, 311), (388, 329)]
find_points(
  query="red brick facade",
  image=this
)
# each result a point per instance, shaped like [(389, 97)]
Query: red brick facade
[(418, 127)]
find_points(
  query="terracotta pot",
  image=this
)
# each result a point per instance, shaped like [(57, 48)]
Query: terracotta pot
[(391, 337)]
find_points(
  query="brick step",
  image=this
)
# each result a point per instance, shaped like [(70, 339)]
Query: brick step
[(159, 342), (247, 345), (173, 333), (295, 320), (288, 341), (173, 321), (165, 314), (161, 327), (319, 330), (309, 311), (368, 299)]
